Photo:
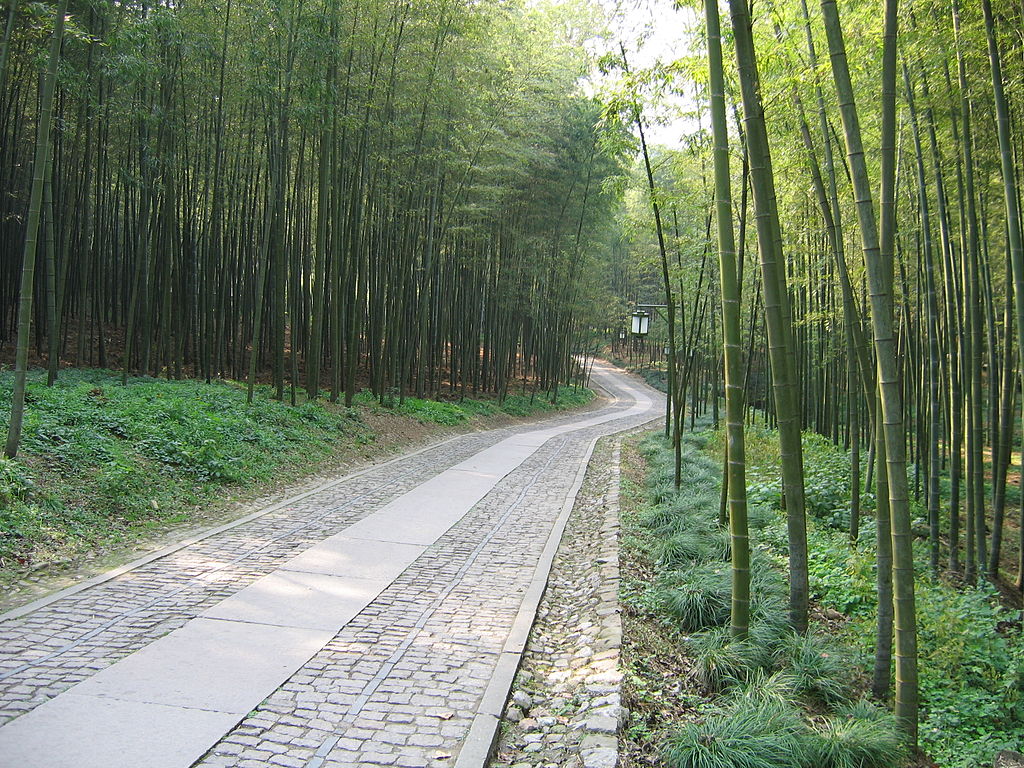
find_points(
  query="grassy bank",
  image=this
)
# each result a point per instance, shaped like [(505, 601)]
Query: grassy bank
[(970, 649), (777, 700), (452, 413), (104, 466), (802, 694)]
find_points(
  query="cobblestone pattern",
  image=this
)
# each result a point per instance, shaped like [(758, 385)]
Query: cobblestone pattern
[(565, 708), (51, 649), (400, 684)]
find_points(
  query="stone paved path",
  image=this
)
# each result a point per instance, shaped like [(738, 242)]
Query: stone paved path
[(358, 625), (566, 705)]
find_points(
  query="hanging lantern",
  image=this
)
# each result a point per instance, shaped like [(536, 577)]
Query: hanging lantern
[(641, 323)]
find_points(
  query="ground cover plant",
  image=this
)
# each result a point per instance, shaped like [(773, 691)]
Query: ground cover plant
[(969, 637), (104, 465), (452, 412), (777, 699), (969, 644)]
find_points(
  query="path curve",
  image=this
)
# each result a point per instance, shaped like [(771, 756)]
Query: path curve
[(373, 621)]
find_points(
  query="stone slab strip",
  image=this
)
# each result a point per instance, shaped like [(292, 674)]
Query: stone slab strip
[(81, 586)]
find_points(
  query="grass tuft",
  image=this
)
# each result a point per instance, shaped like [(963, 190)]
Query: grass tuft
[(763, 687), (852, 742), (696, 598), (821, 669), (696, 545), (749, 735), (721, 662)]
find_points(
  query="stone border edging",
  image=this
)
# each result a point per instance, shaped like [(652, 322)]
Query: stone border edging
[(602, 724)]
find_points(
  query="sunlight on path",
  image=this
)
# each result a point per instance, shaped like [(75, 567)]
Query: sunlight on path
[(370, 645)]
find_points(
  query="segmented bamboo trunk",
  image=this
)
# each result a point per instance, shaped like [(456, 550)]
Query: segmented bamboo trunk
[(731, 335), (878, 263), (777, 311), (40, 164), (1010, 197)]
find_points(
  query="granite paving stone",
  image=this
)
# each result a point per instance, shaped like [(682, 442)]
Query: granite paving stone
[(359, 625)]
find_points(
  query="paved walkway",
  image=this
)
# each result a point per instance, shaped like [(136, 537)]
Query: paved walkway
[(358, 624)]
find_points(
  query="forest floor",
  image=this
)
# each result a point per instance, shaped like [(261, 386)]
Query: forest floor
[(680, 677), (654, 374), (107, 473)]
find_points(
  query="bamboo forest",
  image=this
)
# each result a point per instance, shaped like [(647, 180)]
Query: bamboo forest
[(766, 258)]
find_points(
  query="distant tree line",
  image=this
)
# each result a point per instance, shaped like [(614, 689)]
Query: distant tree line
[(403, 194)]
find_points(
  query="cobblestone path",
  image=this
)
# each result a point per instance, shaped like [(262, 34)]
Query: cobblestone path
[(358, 624)]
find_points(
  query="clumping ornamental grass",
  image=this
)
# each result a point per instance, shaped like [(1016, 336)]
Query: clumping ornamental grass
[(746, 735), (766, 685)]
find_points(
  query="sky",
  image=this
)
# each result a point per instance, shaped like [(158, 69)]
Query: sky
[(652, 31)]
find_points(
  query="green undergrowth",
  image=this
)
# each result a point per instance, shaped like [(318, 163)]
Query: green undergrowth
[(971, 655), (454, 412), (774, 700), (103, 465), (655, 375)]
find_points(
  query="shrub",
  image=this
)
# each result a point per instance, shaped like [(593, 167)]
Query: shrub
[(748, 735)]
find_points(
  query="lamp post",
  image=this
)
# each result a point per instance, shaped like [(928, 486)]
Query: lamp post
[(638, 321), (641, 323)]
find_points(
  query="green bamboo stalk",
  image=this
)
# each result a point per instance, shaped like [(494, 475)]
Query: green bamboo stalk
[(39, 166), (1010, 195), (879, 274), (731, 334), (777, 312)]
